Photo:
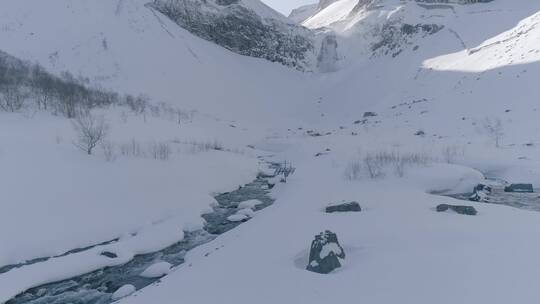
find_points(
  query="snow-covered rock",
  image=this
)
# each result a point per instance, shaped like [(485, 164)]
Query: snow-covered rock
[(247, 212), (343, 207), (466, 210), (237, 217), (123, 292), (325, 253), (157, 270), (251, 204)]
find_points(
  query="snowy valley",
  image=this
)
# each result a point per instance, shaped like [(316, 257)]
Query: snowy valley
[(190, 151)]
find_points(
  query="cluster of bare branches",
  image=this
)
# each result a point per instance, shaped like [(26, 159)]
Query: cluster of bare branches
[(379, 164)]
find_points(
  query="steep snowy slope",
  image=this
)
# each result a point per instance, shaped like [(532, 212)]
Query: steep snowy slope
[(128, 46), (247, 27)]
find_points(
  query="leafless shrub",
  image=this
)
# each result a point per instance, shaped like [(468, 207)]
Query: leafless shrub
[(133, 149), (204, 146), (91, 130), (495, 130), (378, 165), (12, 97), (451, 153), (353, 170), (109, 151), (160, 150)]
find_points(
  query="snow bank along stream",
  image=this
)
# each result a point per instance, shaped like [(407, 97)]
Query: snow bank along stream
[(99, 286)]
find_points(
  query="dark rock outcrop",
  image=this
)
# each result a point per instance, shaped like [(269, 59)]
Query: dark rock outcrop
[(344, 207), (521, 188), (327, 60), (466, 210), (108, 254), (369, 114), (238, 28), (325, 253), (480, 193)]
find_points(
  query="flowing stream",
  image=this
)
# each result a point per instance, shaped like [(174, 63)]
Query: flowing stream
[(97, 287)]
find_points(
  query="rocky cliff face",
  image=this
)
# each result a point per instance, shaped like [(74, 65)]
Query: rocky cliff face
[(300, 14), (243, 29), (328, 58), (325, 3)]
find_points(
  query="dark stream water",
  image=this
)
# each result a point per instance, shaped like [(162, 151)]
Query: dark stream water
[(527, 201)]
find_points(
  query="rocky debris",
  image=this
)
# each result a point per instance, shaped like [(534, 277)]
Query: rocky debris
[(344, 207), (369, 114), (325, 253), (465, 210), (395, 36), (480, 193), (363, 121), (520, 188)]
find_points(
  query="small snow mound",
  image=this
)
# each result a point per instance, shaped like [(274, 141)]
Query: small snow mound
[(237, 217), (247, 212), (193, 226), (123, 292), (251, 204), (157, 270)]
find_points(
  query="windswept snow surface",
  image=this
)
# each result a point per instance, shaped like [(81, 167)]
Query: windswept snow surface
[(56, 198), (433, 95), (395, 245)]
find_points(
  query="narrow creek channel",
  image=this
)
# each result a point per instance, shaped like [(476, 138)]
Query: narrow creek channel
[(97, 287), (498, 196)]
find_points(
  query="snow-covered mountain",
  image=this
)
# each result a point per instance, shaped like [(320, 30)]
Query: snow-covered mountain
[(300, 14), (247, 27), (447, 89)]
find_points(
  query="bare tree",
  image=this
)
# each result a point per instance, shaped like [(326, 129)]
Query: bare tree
[(91, 130), (495, 130), (160, 150), (109, 150), (12, 97)]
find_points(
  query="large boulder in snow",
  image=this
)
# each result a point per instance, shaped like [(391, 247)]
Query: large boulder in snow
[(466, 210), (480, 193), (344, 207), (325, 253)]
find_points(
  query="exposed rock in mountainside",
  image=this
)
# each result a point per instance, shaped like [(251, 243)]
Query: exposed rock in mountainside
[(243, 30), (394, 36), (328, 58), (300, 14), (382, 27), (325, 3)]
